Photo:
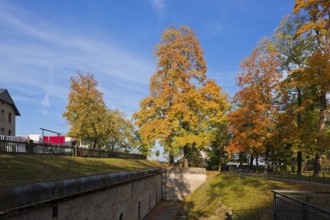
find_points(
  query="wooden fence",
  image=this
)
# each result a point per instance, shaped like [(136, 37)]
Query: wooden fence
[(22, 145)]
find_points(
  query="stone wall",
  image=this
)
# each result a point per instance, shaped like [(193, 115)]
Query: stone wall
[(181, 182), (126, 195)]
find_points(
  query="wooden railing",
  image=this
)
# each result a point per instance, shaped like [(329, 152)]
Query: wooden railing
[(21, 145)]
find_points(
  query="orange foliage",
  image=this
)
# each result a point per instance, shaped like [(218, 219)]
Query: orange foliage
[(252, 123), (184, 108)]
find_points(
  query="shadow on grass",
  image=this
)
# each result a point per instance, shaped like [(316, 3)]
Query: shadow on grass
[(240, 197), (234, 191), (251, 197), (191, 213)]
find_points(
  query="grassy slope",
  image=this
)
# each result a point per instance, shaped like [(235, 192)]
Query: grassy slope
[(23, 169), (249, 197)]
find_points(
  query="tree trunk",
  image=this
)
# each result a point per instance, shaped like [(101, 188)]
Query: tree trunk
[(317, 164), (299, 162), (93, 148), (320, 144), (220, 165), (257, 162), (251, 161), (323, 111), (171, 160), (267, 166), (299, 154), (185, 156)]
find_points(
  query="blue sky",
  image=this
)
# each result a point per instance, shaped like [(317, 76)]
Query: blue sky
[(44, 43)]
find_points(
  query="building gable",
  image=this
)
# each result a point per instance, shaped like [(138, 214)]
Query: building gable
[(5, 97)]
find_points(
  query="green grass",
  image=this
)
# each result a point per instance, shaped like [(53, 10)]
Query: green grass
[(23, 169), (247, 197), (306, 176)]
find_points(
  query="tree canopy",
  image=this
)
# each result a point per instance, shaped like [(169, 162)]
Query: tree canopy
[(184, 108), (86, 112)]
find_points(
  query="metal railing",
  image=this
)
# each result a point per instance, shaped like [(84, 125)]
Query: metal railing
[(301, 205), (306, 177), (83, 152), (25, 146)]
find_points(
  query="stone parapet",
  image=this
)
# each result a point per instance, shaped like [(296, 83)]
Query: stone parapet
[(38, 193)]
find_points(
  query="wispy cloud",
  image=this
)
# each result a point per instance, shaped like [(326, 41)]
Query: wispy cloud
[(215, 29), (159, 6), (38, 57), (45, 103), (43, 56)]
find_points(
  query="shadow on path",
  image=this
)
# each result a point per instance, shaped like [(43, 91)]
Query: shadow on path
[(165, 210)]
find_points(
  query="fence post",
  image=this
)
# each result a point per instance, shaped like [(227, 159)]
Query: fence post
[(275, 201), (323, 178), (305, 212), (29, 147)]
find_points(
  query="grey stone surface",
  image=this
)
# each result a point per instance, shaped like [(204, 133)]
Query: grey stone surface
[(179, 183), (133, 199), (130, 194), (165, 210), (39, 192)]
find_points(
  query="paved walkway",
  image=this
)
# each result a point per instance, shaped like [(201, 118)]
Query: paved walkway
[(169, 210), (166, 210)]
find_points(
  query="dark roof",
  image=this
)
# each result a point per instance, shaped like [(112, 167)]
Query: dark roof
[(5, 97)]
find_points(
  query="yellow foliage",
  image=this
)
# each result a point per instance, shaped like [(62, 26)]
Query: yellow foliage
[(184, 108)]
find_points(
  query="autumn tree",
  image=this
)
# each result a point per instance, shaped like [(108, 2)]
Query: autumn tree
[(293, 52), (142, 147), (184, 108), (252, 122), (317, 73), (86, 112), (122, 133), (318, 23)]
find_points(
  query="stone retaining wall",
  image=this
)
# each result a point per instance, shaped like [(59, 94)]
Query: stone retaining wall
[(181, 182), (125, 195)]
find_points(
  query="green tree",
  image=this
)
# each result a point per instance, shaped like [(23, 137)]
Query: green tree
[(183, 108), (217, 156), (86, 112), (317, 74), (157, 154), (122, 132), (142, 147), (293, 52)]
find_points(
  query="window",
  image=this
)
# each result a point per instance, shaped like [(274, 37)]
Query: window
[(2, 115), (2, 131), (9, 118), (9, 132)]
